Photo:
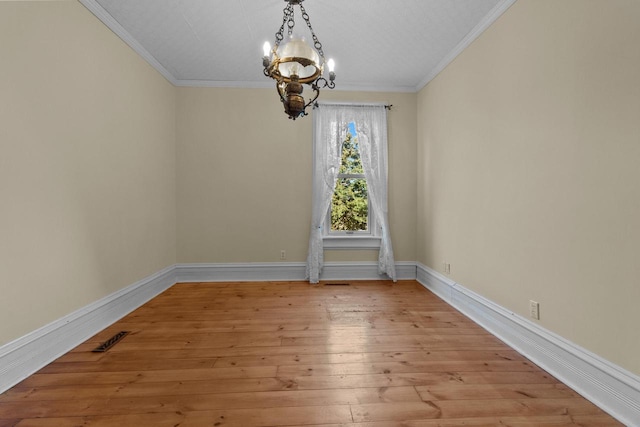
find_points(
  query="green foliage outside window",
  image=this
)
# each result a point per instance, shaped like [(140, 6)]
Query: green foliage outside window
[(350, 206)]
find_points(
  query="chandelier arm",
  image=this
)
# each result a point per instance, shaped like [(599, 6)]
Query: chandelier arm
[(271, 70), (317, 93), (321, 80), (281, 91)]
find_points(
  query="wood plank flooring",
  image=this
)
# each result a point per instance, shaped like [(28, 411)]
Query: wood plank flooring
[(372, 354)]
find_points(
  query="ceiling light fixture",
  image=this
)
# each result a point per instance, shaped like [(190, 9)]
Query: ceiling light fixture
[(295, 63)]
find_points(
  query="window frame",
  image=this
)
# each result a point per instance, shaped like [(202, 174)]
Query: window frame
[(359, 239)]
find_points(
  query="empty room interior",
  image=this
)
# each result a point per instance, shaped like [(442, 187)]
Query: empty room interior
[(131, 187)]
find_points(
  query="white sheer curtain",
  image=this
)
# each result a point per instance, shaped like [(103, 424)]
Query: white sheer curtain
[(330, 124), (329, 131), (371, 127)]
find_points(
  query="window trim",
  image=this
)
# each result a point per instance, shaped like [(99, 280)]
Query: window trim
[(351, 241), (341, 239)]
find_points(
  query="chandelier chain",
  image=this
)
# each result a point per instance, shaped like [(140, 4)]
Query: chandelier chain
[(316, 42), (291, 23), (287, 19)]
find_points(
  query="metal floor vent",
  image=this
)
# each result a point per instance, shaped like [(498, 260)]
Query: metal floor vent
[(338, 284), (110, 342)]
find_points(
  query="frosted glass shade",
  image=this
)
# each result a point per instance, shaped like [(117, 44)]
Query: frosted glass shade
[(297, 57)]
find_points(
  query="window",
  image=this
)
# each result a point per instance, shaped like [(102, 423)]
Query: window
[(349, 223), (350, 181)]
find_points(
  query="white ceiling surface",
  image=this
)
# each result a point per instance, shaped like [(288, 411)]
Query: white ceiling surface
[(385, 45)]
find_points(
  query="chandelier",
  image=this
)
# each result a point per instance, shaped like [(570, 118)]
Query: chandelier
[(294, 63)]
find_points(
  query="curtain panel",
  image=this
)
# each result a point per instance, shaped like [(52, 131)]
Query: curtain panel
[(330, 127)]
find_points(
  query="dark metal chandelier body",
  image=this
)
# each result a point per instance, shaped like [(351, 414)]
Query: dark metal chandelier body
[(294, 64)]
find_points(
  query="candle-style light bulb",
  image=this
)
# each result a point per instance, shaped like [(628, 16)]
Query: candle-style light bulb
[(295, 69), (331, 64), (266, 47)]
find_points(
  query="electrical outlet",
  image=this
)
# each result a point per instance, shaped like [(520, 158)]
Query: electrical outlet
[(283, 254), (534, 309), (446, 267)]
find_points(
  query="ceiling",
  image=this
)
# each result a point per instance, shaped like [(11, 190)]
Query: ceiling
[(381, 45)]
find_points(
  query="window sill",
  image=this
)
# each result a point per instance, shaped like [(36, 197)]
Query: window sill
[(351, 242)]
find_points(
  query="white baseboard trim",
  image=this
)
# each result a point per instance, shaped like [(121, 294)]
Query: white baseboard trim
[(365, 271), (610, 387), (26, 355), (254, 272), (240, 272)]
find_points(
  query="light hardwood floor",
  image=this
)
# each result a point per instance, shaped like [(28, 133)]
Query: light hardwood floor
[(371, 354)]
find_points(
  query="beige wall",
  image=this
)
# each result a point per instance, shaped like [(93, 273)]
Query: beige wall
[(87, 164), (526, 175), (528, 182), (244, 174)]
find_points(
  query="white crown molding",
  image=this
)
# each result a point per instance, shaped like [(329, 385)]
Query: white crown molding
[(489, 19), (610, 387), (266, 84), (26, 355), (269, 84), (119, 30), (94, 7), (354, 87)]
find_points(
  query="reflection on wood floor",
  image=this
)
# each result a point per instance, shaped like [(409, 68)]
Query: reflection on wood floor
[(372, 353)]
